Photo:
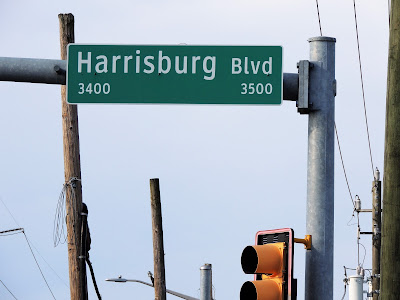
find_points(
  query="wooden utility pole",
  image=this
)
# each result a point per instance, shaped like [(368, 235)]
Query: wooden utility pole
[(158, 244), (390, 262), (376, 234), (72, 167)]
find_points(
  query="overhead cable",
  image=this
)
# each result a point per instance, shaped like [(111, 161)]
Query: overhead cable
[(344, 169), (336, 132), (34, 257), (319, 18), (362, 87), (31, 243), (8, 289)]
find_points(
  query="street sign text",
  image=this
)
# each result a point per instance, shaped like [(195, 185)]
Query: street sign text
[(174, 74)]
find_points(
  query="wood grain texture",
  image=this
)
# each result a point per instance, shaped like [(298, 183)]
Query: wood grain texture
[(158, 243), (390, 258), (376, 238), (72, 168)]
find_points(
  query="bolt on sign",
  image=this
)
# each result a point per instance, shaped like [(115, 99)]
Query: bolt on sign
[(174, 74)]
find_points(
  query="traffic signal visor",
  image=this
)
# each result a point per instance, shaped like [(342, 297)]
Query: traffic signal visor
[(267, 260)]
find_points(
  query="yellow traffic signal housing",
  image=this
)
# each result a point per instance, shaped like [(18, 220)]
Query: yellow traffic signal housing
[(271, 260)]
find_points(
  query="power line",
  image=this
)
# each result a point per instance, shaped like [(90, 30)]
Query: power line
[(27, 241), (336, 132), (9, 212), (365, 254), (34, 257), (21, 230), (344, 169), (8, 289), (362, 87), (344, 294), (1, 234), (11, 232), (319, 18), (62, 280), (14, 233)]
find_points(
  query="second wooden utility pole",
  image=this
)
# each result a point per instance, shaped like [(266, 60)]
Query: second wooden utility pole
[(376, 234), (158, 244), (72, 167), (390, 262)]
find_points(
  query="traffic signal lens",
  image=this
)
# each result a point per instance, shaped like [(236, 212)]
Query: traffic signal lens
[(263, 259), (261, 290)]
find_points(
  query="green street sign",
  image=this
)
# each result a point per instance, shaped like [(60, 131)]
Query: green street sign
[(174, 74)]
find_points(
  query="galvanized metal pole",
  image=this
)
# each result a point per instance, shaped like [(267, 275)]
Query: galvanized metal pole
[(206, 282), (320, 172)]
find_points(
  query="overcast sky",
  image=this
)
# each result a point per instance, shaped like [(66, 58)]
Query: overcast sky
[(225, 172)]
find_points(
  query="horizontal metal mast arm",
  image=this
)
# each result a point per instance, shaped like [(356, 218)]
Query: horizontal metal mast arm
[(290, 86), (51, 71)]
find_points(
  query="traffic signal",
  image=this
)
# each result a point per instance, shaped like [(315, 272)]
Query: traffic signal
[(271, 260)]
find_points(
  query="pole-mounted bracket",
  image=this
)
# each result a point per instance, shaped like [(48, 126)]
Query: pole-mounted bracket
[(307, 241), (302, 103), (364, 210)]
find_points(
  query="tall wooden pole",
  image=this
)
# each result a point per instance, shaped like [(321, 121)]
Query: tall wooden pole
[(390, 262), (72, 167), (158, 244), (376, 234)]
